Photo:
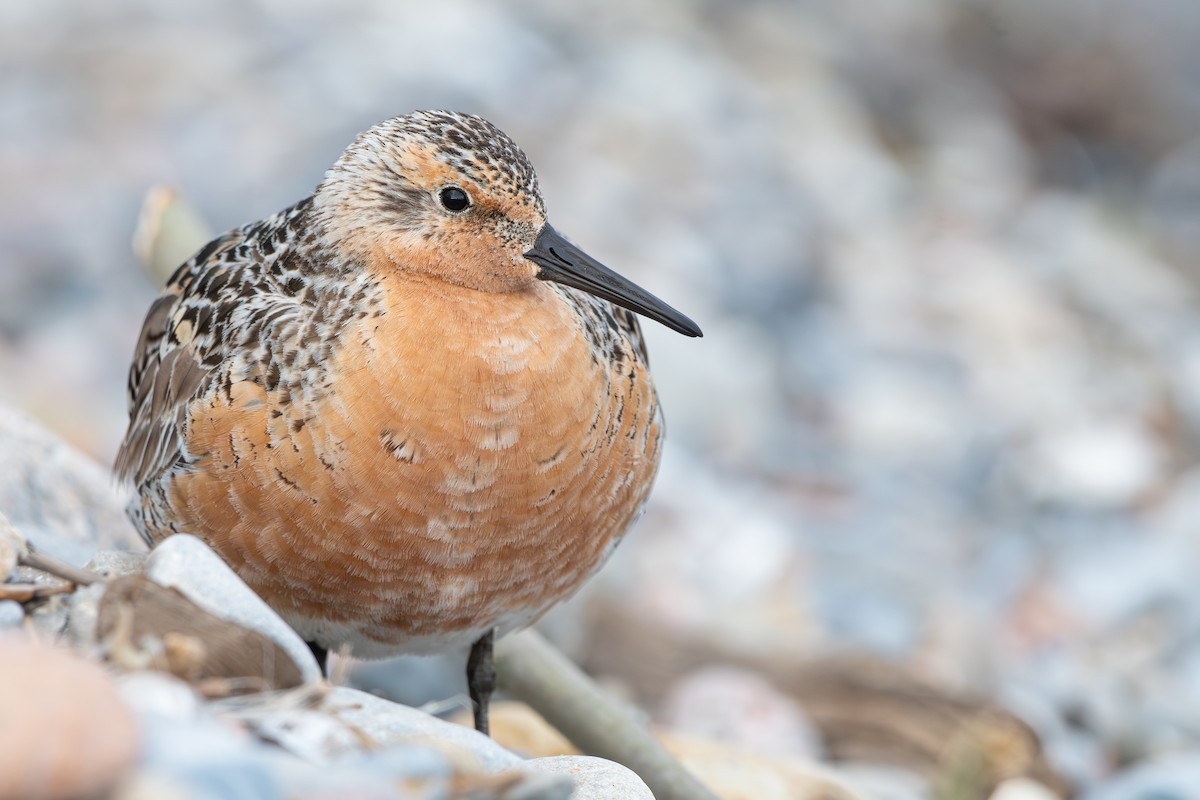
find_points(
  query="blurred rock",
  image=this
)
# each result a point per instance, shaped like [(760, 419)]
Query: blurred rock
[(115, 563), (66, 731), (1022, 789), (11, 614), (185, 563), (60, 500), (593, 778), (12, 547), (739, 707), (1173, 777)]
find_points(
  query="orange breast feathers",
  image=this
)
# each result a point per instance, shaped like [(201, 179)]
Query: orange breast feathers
[(470, 459)]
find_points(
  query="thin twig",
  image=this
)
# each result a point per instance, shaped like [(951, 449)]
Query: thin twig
[(59, 569), (531, 669)]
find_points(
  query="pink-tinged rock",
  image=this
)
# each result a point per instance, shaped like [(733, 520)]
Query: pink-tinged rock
[(65, 732)]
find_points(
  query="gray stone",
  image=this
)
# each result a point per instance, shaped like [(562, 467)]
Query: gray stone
[(82, 608), (594, 778), (115, 563), (1173, 777), (12, 546), (388, 724), (61, 501), (12, 614), (185, 563)]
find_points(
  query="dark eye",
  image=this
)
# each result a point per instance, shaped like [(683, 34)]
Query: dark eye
[(455, 199)]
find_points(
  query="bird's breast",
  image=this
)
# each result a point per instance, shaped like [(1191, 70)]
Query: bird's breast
[(472, 460)]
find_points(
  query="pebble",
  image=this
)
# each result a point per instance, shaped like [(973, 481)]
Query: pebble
[(12, 546), (60, 500), (594, 778), (67, 732), (12, 614), (185, 563)]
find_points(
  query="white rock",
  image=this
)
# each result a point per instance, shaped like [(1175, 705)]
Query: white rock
[(12, 546), (116, 563), (1022, 789), (185, 563), (60, 500), (595, 778), (12, 614), (387, 724)]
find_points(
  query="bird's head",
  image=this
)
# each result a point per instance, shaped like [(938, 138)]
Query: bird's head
[(451, 196)]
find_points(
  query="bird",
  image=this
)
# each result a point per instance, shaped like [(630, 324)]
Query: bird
[(405, 410)]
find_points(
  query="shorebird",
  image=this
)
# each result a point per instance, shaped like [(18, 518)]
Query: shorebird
[(405, 410)]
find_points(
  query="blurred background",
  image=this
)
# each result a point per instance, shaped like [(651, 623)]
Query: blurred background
[(934, 463)]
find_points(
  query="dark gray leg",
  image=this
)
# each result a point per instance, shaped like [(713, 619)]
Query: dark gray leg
[(320, 653), (481, 679)]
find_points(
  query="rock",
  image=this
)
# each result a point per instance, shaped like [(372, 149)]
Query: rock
[(740, 707), (12, 546), (735, 773), (1022, 789), (12, 614), (67, 732), (185, 563), (1173, 777), (594, 778), (143, 625), (388, 724), (81, 607), (732, 772), (58, 498), (115, 563)]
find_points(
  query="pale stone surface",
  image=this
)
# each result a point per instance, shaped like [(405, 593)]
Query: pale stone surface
[(12, 545), (60, 500), (66, 732), (594, 778)]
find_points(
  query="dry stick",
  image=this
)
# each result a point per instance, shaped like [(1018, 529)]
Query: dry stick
[(531, 669), (59, 569)]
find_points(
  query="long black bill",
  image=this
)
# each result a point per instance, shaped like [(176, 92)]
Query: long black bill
[(562, 262)]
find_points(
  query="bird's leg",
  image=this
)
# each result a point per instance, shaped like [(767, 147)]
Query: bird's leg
[(481, 678), (319, 653)]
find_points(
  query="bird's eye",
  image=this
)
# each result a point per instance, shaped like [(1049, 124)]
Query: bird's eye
[(454, 199)]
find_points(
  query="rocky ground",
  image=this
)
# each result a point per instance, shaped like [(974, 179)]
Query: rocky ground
[(929, 507)]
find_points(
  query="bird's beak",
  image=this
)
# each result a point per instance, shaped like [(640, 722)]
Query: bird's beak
[(562, 262)]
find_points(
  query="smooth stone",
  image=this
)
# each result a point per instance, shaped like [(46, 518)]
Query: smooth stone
[(116, 563), (67, 732), (12, 546), (185, 563), (1173, 777), (388, 724), (12, 614), (61, 501), (1022, 789), (82, 607), (594, 778)]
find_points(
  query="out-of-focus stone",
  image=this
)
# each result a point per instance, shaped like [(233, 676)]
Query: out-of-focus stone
[(115, 563), (742, 708), (594, 778), (66, 733), (739, 774), (1174, 777), (185, 563), (12, 546), (387, 724), (12, 614), (1023, 789), (60, 500)]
